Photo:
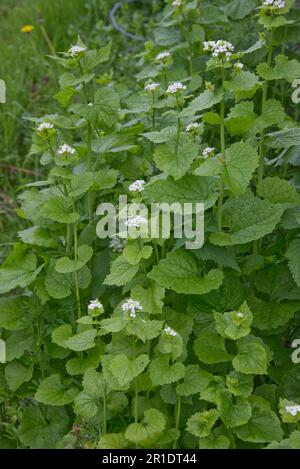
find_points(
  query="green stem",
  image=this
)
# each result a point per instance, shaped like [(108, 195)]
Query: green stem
[(263, 108), (223, 151), (153, 111), (177, 420), (136, 403), (90, 195), (104, 429), (76, 272)]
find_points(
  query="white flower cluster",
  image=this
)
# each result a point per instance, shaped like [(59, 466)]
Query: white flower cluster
[(191, 127), (95, 304), (177, 3), (136, 222), (117, 244), (45, 126), (238, 66), (132, 307), (274, 3), (293, 409), (162, 56), (169, 331), (66, 149), (137, 186), (176, 87), (207, 152), (151, 87), (219, 47), (76, 50)]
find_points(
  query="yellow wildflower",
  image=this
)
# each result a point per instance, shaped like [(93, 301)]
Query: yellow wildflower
[(28, 28)]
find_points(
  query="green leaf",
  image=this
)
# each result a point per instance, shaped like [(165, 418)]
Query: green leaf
[(125, 369), (57, 285), (16, 374), (201, 423), (161, 372), (210, 348), (52, 392), (278, 191), (80, 184), (187, 190), (238, 9), (161, 136), (284, 68), (64, 265), (37, 236), (233, 412), (251, 358), (273, 114), (175, 159), (121, 272), (240, 118), (195, 380), (19, 270), (144, 329), (153, 425), (134, 252), (239, 385), (286, 138), (92, 58), (263, 427), (242, 163), (235, 324), (205, 100), (268, 315), (107, 105), (151, 297), (248, 218), (64, 337), (12, 313), (293, 256), (59, 208), (38, 433), (243, 84), (179, 272)]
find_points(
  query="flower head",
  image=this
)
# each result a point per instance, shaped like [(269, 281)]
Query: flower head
[(45, 126), (169, 331), (192, 127), (76, 51), (219, 48), (175, 87), (136, 222), (95, 305), (152, 87), (66, 149), (276, 4), (27, 28), (163, 56), (117, 244), (132, 307), (238, 66), (208, 151), (137, 186), (239, 315), (177, 3), (293, 409)]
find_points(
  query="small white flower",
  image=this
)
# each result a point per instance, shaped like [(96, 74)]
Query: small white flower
[(137, 186), (293, 409), (219, 48), (275, 3), (136, 222), (208, 152), (191, 127), (90, 104), (76, 50), (132, 307), (66, 149), (45, 126), (117, 244), (151, 87), (95, 304), (239, 315), (238, 66), (169, 331), (175, 87), (162, 56), (177, 3)]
